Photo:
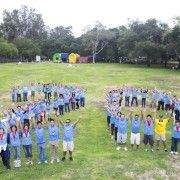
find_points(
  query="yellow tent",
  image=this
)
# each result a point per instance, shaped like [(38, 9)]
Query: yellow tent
[(72, 58)]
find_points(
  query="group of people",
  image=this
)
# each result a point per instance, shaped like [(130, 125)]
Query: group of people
[(65, 98), (23, 119), (117, 120), (18, 136), (72, 94)]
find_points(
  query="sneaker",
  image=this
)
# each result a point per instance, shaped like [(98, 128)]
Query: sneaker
[(125, 148), (166, 150), (45, 162), (31, 162), (176, 153), (146, 150), (70, 158), (172, 152), (118, 148), (52, 161), (39, 162), (63, 159), (152, 150), (58, 160), (28, 162)]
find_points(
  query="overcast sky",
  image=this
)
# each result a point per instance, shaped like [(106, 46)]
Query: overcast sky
[(81, 13)]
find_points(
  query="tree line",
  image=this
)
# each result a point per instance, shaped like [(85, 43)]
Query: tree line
[(23, 35)]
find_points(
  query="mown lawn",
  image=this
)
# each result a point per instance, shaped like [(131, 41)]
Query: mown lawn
[(95, 156)]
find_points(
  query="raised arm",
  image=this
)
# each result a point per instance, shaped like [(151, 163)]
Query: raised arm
[(61, 122), (78, 120)]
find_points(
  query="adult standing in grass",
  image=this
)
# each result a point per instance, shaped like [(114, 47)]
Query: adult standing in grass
[(4, 150), (13, 94), (135, 130), (175, 136), (32, 88), (160, 131), (127, 96), (122, 131), (154, 97), (148, 130), (68, 137), (144, 95), (161, 101), (134, 92), (54, 136), (41, 142)]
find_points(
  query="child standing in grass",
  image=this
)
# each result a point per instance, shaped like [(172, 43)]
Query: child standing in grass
[(16, 144), (27, 142)]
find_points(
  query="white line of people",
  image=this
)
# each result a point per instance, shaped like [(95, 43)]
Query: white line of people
[(117, 121)]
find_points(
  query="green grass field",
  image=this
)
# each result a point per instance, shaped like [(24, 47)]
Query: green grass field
[(95, 156)]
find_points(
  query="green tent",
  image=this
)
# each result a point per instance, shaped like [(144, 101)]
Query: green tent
[(57, 58)]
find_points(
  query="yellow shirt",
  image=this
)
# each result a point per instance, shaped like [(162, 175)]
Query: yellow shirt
[(160, 126)]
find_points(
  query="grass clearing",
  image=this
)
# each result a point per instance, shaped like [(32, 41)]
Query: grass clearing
[(95, 156)]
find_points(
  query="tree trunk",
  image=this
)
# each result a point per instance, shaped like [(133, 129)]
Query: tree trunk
[(179, 64), (165, 64), (93, 58), (148, 62)]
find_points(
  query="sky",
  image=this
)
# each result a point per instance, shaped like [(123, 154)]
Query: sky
[(82, 13)]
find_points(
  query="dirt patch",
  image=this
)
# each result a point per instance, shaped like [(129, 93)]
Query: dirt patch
[(152, 174), (98, 104)]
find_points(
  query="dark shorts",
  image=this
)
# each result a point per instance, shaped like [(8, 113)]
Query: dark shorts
[(148, 139)]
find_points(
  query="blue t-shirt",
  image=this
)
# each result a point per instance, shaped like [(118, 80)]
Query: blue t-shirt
[(112, 120), (161, 97), (12, 121), (40, 136), (122, 126), (15, 140), (54, 134), (148, 128), (56, 89), (55, 103), (126, 93), (38, 88), (167, 99), (26, 138), (68, 132), (66, 98), (116, 121), (154, 96), (43, 106), (134, 93), (176, 132), (135, 126), (144, 94)]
